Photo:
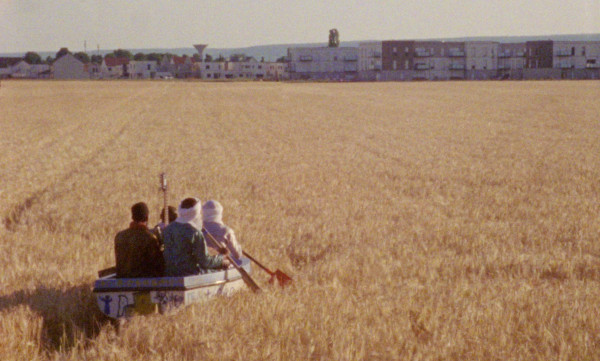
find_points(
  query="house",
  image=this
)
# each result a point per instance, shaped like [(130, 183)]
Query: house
[(6, 66), (142, 69), (69, 67), (275, 70), (20, 70), (39, 71), (114, 68), (181, 66)]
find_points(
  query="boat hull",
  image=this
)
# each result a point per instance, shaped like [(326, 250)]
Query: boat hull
[(124, 297)]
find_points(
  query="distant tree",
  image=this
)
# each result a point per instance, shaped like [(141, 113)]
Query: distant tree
[(282, 59), (120, 53), (262, 59), (109, 55), (49, 60), (237, 57), (221, 58), (62, 52), (96, 59), (208, 58), (139, 57), (154, 57), (334, 38), (82, 57), (32, 58)]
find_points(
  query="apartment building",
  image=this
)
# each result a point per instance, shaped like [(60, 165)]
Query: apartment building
[(511, 60), (323, 63), (422, 60), (576, 59), (369, 60), (481, 60)]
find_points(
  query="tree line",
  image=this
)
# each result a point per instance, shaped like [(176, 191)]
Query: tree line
[(34, 58)]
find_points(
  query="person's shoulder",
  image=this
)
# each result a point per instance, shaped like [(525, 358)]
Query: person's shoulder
[(229, 230), (176, 227), (122, 234)]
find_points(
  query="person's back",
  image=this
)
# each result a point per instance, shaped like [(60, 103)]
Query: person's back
[(212, 212), (185, 248), (137, 250)]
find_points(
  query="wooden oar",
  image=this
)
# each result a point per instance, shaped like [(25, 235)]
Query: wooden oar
[(278, 275), (245, 276)]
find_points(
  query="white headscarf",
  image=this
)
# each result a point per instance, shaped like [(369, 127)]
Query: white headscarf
[(193, 215), (212, 211)]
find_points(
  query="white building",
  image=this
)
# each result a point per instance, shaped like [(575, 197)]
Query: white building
[(369, 60), (114, 68), (328, 63), (142, 69), (576, 54), (481, 59), (247, 68), (69, 67), (275, 70)]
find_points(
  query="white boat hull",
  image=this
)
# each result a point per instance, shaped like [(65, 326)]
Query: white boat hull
[(123, 297)]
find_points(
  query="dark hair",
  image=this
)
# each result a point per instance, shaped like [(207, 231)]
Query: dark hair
[(188, 203), (172, 214), (139, 212)]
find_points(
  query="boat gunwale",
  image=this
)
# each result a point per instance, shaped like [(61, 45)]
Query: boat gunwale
[(147, 289), (111, 284)]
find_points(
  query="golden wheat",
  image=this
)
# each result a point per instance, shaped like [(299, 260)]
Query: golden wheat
[(423, 221)]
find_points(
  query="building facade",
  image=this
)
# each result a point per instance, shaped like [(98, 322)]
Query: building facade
[(323, 63), (142, 69), (369, 60), (69, 67)]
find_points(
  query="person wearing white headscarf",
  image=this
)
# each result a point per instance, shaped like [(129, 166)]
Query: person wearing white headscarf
[(212, 212), (185, 248)]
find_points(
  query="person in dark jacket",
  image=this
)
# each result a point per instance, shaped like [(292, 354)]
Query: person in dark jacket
[(185, 248), (137, 249)]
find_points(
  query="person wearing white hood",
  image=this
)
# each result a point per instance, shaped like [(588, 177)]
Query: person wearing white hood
[(185, 248), (214, 227)]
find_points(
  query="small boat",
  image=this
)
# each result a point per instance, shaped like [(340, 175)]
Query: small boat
[(124, 297)]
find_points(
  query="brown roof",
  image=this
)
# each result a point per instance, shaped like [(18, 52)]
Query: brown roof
[(5, 62), (116, 61), (179, 59)]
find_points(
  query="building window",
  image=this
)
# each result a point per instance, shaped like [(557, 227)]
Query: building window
[(395, 50), (406, 64), (148, 66), (394, 65), (573, 51), (583, 51)]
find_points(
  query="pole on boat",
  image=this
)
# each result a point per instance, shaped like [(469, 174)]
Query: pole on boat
[(163, 188), (245, 276)]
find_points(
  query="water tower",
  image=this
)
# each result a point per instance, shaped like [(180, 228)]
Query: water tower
[(200, 48)]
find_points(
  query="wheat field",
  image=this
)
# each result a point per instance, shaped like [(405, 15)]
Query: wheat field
[(420, 221)]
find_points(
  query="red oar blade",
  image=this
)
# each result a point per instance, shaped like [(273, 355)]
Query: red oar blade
[(281, 277)]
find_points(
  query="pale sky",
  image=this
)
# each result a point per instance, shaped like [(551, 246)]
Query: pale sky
[(47, 25)]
